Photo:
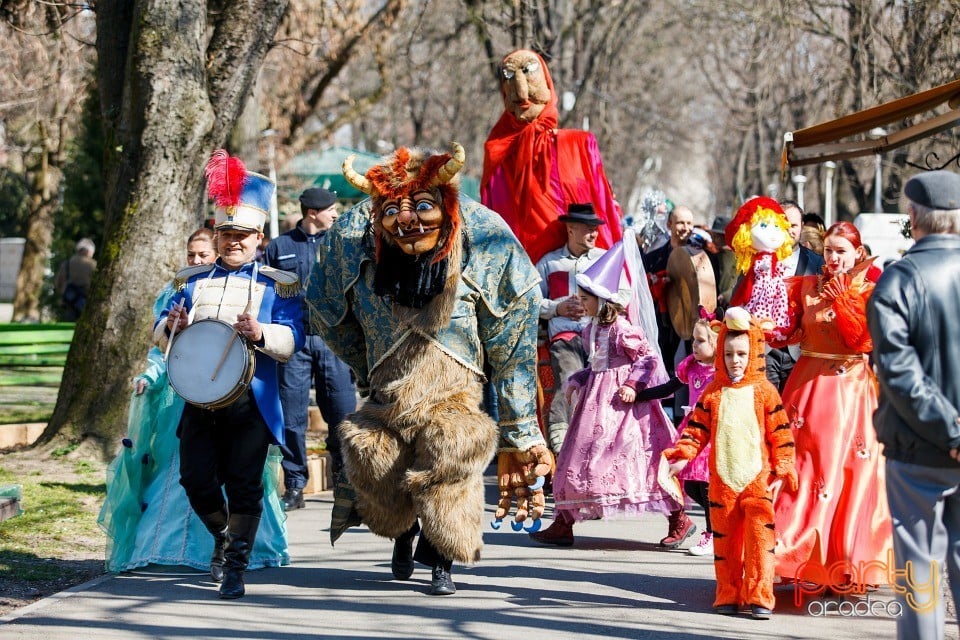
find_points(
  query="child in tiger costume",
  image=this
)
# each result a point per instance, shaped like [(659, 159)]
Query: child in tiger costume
[(753, 451)]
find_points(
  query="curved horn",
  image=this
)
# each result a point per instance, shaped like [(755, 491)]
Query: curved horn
[(453, 165), (358, 181)]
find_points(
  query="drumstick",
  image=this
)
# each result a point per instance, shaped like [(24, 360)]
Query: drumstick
[(173, 331), (226, 349)]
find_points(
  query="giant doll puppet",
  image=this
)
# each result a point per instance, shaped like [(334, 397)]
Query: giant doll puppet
[(532, 170), (416, 291)]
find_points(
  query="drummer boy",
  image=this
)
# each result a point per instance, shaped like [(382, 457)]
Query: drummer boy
[(227, 447)]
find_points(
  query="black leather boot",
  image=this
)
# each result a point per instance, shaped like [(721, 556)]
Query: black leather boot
[(241, 533), (441, 582), (216, 524), (402, 562), (293, 499)]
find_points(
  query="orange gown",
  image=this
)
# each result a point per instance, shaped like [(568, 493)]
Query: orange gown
[(838, 520)]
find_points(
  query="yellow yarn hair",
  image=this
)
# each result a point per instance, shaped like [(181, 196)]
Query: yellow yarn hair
[(742, 244)]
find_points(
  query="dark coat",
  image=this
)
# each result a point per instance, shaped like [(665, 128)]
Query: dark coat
[(810, 262), (913, 316)]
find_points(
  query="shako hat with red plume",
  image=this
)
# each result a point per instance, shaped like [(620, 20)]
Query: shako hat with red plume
[(242, 198)]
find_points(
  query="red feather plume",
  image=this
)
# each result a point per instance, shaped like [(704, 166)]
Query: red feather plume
[(225, 178)]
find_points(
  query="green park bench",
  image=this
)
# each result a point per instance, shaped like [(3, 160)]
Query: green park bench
[(10, 501), (33, 353)]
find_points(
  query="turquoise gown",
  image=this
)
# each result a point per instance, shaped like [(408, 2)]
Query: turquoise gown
[(146, 514)]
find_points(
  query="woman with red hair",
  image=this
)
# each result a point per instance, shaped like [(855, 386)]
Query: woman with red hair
[(838, 520)]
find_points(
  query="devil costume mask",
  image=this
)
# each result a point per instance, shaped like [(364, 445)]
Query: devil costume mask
[(415, 220)]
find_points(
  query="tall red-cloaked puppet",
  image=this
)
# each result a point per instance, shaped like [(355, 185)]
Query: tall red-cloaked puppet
[(532, 170)]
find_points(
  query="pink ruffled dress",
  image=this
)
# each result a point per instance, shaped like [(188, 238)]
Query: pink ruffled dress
[(607, 466), (696, 375)]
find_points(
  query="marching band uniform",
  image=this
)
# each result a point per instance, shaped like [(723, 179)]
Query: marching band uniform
[(146, 514), (228, 446)]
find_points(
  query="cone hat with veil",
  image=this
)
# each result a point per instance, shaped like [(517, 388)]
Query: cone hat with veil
[(603, 278)]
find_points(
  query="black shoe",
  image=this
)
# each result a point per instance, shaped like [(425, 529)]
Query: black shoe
[(726, 609), (293, 499), (760, 613), (402, 562), (441, 584)]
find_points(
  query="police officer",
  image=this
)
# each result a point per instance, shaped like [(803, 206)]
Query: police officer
[(296, 251)]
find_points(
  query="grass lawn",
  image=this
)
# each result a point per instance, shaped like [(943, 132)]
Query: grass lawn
[(28, 394), (55, 543)]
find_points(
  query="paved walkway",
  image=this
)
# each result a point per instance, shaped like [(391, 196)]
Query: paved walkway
[(614, 583)]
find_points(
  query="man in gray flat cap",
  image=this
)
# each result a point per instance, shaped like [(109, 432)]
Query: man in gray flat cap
[(914, 319)]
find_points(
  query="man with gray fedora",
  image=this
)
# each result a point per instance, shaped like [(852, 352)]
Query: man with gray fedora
[(561, 309), (913, 317)]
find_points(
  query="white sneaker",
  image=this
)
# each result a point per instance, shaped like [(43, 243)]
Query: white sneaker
[(704, 546)]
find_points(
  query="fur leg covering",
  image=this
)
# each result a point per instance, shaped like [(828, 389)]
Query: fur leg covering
[(446, 480), (431, 466), (434, 471), (375, 460)]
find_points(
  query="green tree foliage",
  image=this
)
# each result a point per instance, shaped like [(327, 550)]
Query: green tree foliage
[(13, 203), (82, 213)]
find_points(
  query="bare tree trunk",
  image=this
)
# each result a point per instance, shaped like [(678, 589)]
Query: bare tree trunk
[(26, 302), (172, 86), (43, 78)]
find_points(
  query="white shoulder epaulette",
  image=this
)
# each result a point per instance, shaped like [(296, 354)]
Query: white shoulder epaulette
[(180, 280), (287, 282)]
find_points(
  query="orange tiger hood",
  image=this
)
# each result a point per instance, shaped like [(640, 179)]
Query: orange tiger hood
[(737, 319)]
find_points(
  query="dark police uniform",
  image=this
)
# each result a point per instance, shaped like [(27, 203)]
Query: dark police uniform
[(296, 251)]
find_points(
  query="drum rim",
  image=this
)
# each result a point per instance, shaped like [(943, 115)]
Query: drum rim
[(239, 387)]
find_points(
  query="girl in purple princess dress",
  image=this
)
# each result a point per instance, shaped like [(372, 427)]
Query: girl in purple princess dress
[(607, 466)]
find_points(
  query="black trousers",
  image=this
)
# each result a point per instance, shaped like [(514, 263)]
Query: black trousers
[(668, 341), (780, 363), (427, 554), (698, 491), (566, 358), (224, 451)]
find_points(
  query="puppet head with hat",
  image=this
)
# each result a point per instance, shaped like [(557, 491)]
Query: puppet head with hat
[(759, 227)]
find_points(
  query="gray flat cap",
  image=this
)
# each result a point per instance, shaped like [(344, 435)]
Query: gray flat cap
[(934, 189)]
